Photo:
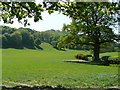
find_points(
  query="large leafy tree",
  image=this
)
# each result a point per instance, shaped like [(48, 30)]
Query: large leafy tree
[(90, 25)]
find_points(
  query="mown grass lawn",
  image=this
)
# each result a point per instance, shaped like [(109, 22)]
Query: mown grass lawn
[(47, 67)]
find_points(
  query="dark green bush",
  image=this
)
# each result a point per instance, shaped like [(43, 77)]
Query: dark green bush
[(105, 60), (114, 59), (82, 56), (111, 60)]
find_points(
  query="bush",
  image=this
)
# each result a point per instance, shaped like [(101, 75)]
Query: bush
[(82, 56), (114, 59), (111, 60), (105, 60)]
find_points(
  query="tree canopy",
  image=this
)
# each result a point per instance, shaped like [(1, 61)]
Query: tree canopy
[(90, 25), (28, 38), (24, 10)]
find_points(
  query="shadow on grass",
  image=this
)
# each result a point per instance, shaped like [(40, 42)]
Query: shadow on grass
[(86, 62), (51, 88), (26, 47)]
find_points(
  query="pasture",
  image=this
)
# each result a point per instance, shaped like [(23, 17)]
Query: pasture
[(47, 67)]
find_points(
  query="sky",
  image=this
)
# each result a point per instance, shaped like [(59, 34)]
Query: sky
[(53, 21)]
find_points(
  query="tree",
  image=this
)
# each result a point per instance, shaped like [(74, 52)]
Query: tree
[(37, 42), (0, 41), (6, 29), (107, 47), (27, 39), (8, 43), (4, 41), (90, 25), (16, 40)]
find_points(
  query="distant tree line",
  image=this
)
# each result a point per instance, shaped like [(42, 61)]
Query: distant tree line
[(27, 38), (17, 38)]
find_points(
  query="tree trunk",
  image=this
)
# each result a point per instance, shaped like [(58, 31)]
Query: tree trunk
[(96, 53)]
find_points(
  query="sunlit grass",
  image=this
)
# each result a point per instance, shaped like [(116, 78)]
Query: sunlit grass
[(47, 67)]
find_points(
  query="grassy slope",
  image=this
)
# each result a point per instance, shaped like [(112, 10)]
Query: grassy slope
[(46, 67)]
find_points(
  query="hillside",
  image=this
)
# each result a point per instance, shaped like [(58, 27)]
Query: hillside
[(47, 47)]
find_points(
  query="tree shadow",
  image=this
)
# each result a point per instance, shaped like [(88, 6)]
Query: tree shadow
[(87, 62), (38, 47), (26, 47), (52, 88)]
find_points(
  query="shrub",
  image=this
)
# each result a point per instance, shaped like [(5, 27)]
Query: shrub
[(105, 60), (111, 60), (114, 59), (82, 56)]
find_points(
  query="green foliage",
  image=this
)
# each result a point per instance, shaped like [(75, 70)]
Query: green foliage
[(28, 38), (20, 10), (54, 44), (105, 60), (33, 38), (109, 47), (114, 59), (6, 29), (24, 10), (89, 19), (0, 41), (90, 25), (111, 60), (4, 41), (37, 42), (81, 56), (16, 40), (50, 35)]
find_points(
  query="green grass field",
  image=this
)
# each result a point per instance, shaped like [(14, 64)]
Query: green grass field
[(47, 67)]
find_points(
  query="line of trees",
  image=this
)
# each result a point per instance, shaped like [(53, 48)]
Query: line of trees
[(17, 38), (28, 38)]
